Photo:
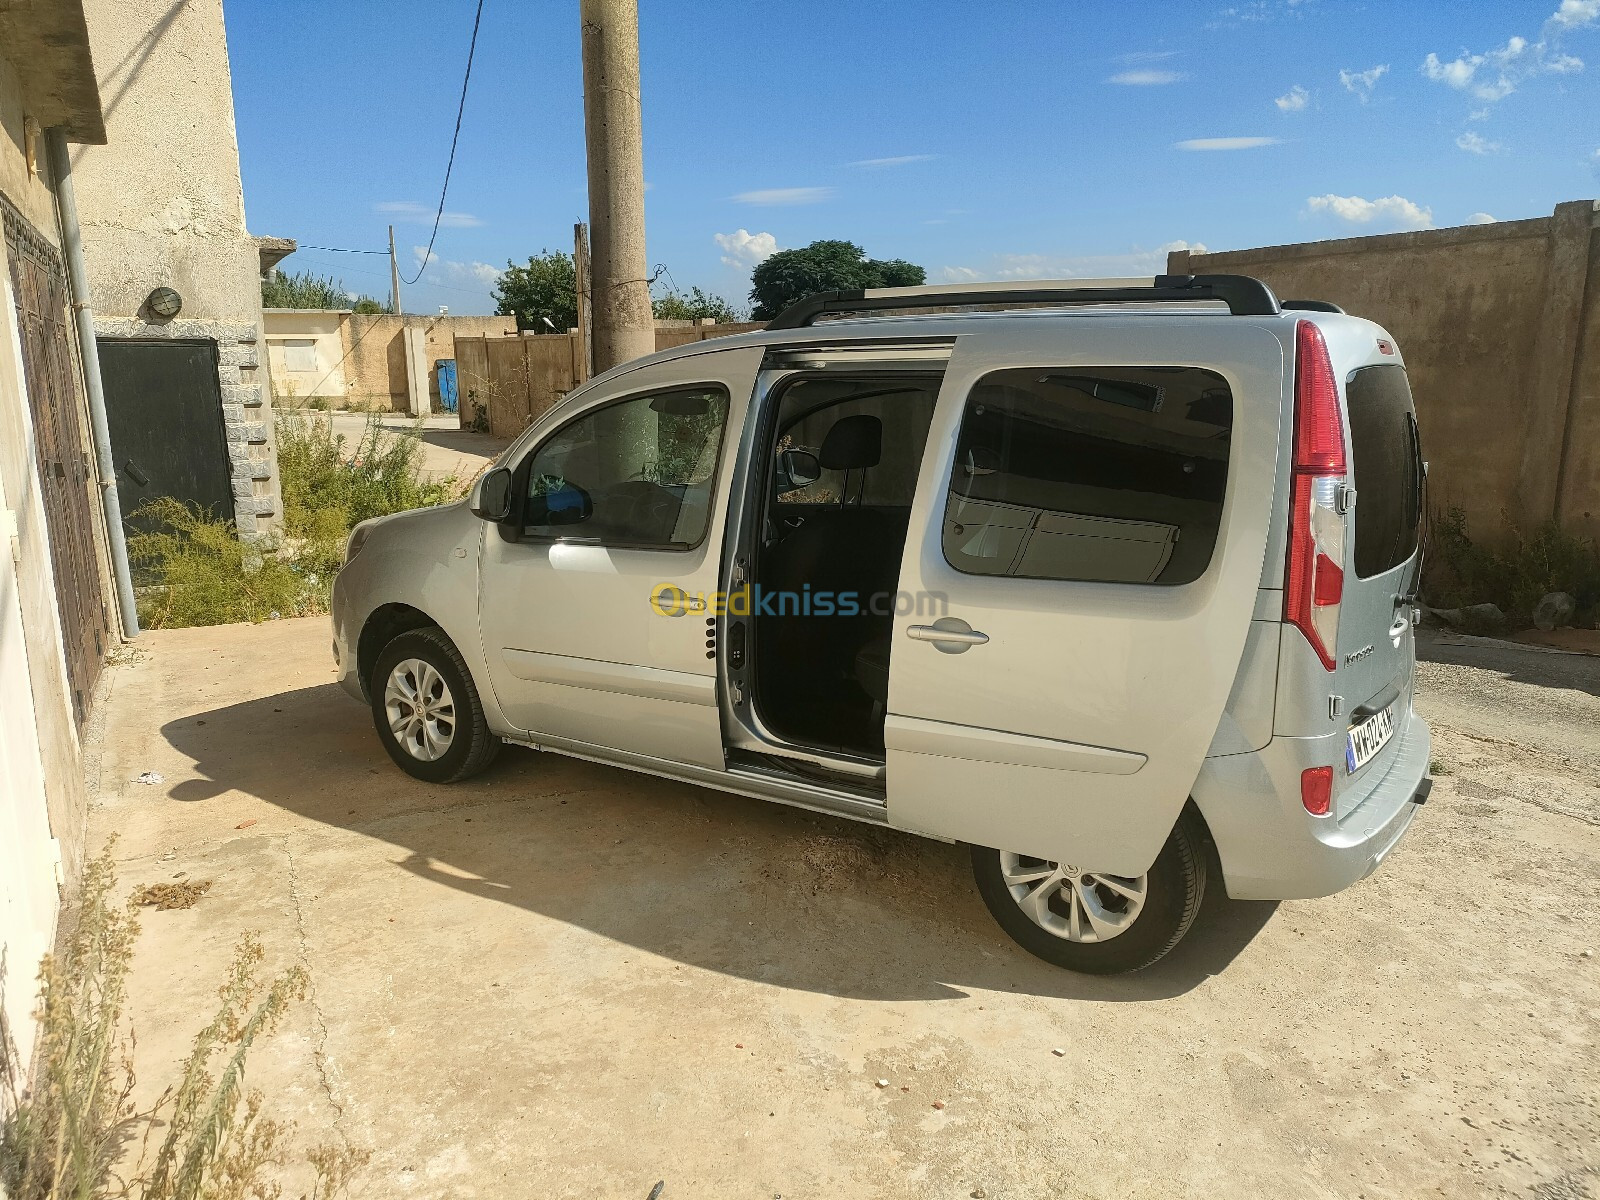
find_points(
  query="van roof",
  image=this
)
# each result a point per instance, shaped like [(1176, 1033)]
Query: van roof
[(882, 313)]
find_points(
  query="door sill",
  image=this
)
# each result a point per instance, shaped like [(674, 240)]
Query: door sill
[(855, 800)]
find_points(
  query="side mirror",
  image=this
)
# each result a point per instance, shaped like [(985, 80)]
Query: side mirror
[(491, 495), (558, 503), (800, 467)]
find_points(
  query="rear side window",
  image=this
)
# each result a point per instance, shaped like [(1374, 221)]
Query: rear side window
[(1387, 472), (1105, 474)]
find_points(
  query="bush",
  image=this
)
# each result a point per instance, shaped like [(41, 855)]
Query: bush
[(64, 1136), (1459, 571), (201, 573)]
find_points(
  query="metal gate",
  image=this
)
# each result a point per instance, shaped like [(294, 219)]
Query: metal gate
[(66, 477)]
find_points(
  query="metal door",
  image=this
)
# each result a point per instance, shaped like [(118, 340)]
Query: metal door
[(61, 451), (164, 409), (1068, 719)]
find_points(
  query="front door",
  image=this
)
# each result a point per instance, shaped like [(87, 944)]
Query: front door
[(164, 411), (595, 603), (1091, 519)]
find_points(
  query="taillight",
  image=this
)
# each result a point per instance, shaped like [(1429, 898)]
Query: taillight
[(1316, 790), (1314, 584)]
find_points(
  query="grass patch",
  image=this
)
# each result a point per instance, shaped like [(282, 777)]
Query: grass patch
[(71, 1134), (198, 571), (1516, 575)]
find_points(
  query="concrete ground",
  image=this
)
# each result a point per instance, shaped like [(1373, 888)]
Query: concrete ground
[(561, 979), (447, 449)]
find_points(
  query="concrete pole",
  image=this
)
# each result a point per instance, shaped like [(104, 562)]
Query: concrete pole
[(394, 276), (613, 129), (580, 267)]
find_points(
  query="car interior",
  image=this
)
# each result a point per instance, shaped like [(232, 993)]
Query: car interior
[(844, 455)]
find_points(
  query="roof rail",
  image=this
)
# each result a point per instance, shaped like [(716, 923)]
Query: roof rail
[(1244, 296), (1311, 306)]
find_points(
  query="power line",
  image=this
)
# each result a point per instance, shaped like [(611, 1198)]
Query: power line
[(454, 138), (341, 250)]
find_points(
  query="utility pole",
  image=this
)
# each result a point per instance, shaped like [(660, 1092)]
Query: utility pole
[(580, 264), (613, 128), (394, 276)]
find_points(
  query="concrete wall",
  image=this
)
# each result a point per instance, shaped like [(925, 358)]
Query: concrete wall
[(43, 799), (1500, 329), (287, 332), (161, 204), (375, 366)]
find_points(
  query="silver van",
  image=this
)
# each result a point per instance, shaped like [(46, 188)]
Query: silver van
[(1112, 581)]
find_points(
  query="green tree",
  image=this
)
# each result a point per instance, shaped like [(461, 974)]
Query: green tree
[(546, 288), (367, 306), (824, 266), (306, 290), (693, 305)]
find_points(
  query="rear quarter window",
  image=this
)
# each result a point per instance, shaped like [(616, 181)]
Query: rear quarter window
[(1387, 468), (1097, 474)]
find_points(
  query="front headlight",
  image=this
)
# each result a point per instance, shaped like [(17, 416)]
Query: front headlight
[(358, 538)]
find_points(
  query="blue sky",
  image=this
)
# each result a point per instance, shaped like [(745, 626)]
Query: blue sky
[(981, 141)]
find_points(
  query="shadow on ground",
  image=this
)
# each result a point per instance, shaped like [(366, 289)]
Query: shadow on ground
[(1533, 665), (739, 886)]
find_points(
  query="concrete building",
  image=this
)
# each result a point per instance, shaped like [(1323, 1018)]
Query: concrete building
[(57, 616), (162, 207), (361, 359)]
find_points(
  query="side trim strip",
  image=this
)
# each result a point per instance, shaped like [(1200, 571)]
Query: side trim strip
[(915, 735), (601, 676)]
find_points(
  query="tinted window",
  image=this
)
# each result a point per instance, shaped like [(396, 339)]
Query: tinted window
[(1387, 466), (638, 473), (1112, 474)]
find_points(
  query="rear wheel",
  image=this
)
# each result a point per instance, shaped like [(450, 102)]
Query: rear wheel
[(426, 710), (1091, 921)]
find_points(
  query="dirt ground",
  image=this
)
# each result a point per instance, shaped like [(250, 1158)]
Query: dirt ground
[(565, 980)]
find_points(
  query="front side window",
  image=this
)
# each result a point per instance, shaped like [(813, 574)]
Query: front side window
[(639, 473), (1101, 474)]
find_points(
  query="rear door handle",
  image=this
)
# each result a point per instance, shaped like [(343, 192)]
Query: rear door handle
[(1401, 624), (953, 636)]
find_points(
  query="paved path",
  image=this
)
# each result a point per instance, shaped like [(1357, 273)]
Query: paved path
[(561, 979), (447, 449)]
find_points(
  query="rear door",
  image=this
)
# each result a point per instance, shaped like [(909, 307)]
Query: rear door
[(1085, 549), (1377, 654)]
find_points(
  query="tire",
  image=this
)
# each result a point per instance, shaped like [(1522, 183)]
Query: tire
[(454, 741), (1172, 893)]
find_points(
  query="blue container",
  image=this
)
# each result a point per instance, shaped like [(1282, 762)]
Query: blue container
[(448, 399)]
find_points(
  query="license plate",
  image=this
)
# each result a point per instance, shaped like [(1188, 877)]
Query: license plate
[(1367, 738)]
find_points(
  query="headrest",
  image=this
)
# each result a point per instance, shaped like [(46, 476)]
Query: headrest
[(852, 443)]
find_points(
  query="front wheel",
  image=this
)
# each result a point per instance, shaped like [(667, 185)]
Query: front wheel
[(426, 710), (1091, 921)]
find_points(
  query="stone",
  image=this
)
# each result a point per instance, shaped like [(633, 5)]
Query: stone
[(1442, 618), (1555, 610), (1483, 618)]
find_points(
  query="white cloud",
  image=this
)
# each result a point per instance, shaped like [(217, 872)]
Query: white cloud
[(1135, 263), (448, 273), (409, 212), (781, 196), (1480, 218), (898, 160), (1146, 78), (1495, 74), (1226, 143), (1390, 210), (1293, 100), (1574, 14), (741, 248), (1362, 82), (1147, 56), (1474, 142)]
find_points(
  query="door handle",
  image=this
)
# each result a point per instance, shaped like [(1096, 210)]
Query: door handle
[(1401, 624), (672, 601), (952, 636)]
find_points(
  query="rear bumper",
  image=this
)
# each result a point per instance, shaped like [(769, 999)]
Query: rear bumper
[(344, 642), (1272, 849)]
